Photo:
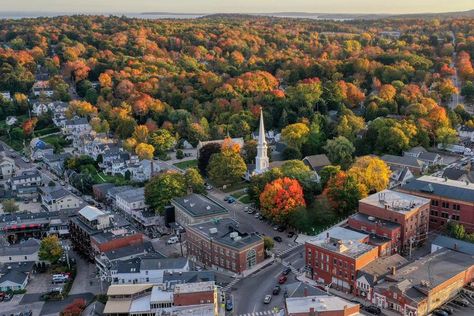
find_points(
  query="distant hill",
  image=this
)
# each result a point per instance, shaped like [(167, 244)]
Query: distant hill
[(324, 16)]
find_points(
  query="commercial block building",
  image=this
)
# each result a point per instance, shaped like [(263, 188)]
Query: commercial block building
[(451, 200), (221, 245), (424, 285), (197, 208), (410, 211), (335, 258), (321, 305)]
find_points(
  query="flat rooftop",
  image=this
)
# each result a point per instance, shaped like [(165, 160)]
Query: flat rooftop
[(352, 249), (226, 231), (320, 303), (194, 287), (395, 201), (340, 233), (371, 220), (382, 265), (453, 189), (198, 205)]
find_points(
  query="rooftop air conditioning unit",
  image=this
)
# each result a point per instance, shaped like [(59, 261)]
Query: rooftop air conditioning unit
[(233, 234), (237, 238), (213, 230)]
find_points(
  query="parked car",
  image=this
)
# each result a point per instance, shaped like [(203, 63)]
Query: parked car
[(260, 217), (8, 296), (448, 309), (276, 290), (227, 198), (208, 187), (231, 200), (229, 304), (282, 279), (275, 228), (172, 240), (277, 239), (461, 302), (281, 228), (291, 234), (257, 215), (439, 312), (286, 271), (372, 309), (267, 299)]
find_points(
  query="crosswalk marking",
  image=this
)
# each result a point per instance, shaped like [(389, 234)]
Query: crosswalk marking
[(267, 312)]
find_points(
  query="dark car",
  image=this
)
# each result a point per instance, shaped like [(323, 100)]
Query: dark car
[(461, 302), (290, 234), (286, 271), (229, 305), (372, 309), (276, 290), (281, 228), (447, 309), (277, 238), (282, 279), (439, 312)]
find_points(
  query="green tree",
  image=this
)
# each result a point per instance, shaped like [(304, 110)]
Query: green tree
[(50, 249), (268, 243), (205, 154), (162, 188), (10, 206), (162, 140), (295, 134), (340, 151), (344, 193), (327, 172), (226, 167), (349, 126), (457, 231), (446, 136), (194, 180), (290, 153)]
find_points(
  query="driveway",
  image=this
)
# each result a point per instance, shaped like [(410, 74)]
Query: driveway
[(86, 280), (39, 283)]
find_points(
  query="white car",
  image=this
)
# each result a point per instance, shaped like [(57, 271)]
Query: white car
[(172, 240), (267, 299)]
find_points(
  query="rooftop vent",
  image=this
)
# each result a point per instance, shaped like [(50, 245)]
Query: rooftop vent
[(213, 230), (371, 218), (208, 207), (192, 204), (233, 234), (237, 238)]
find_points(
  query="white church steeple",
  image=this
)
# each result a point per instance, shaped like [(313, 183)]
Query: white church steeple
[(261, 161)]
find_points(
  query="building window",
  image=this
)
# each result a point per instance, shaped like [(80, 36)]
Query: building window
[(251, 258)]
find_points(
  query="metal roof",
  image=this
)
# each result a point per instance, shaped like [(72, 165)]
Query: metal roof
[(457, 190)]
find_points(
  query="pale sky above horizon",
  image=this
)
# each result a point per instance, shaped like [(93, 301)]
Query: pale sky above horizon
[(238, 6)]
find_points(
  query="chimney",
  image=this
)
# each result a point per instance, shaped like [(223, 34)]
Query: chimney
[(327, 235), (305, 292), (393, 270), (455, 246)]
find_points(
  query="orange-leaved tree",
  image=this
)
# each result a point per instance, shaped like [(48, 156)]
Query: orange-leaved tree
[(280, 198)]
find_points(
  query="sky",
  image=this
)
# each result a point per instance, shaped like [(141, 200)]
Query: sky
[(238, 6)]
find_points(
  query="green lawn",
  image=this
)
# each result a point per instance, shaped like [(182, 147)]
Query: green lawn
[(186, 164), (57, 141), (235, 186), (238, 194), (101, 177), (245, 199)]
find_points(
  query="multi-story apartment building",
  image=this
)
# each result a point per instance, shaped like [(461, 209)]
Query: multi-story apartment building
[(410, 211), (219, 244), (451, 200), (55, 199), (25, 184)]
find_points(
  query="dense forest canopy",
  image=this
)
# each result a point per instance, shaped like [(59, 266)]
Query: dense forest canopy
[(207, 78)]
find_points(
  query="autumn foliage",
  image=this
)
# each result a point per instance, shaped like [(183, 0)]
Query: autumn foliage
[(281, 197)]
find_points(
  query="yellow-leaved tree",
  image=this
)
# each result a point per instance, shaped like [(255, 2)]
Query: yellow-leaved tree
[(371, 172)]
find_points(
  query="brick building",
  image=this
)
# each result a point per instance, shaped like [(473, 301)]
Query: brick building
[(94, 231), (321, 305), (220, 244), (410, 211), (335, 258), (390, 231), (424, 285), (193, 293), (197, 208), (451, 200)]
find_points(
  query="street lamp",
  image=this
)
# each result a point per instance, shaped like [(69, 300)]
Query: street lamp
[(66, 249)]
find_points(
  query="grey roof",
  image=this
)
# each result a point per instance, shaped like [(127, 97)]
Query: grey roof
[(402, 160), (433, 269), (27, 174), (437, 186), (103, 187), (299, 289), (171, 279), (132, 195), (113, 191), (381, 266), (25, 267), (55, 192), (136, 265), (77, 121), (131, 250), (365, 219), (224, 227), (317, 162), (26, 248), (198, 205), (13, 276), (427, 156), (454, 244), (453, 173)]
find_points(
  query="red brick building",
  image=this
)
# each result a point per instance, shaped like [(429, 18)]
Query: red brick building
[(424, 285), (193, 293), (389, 232), (336, 258), (451, 200), (409, 211), (220, 245)]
